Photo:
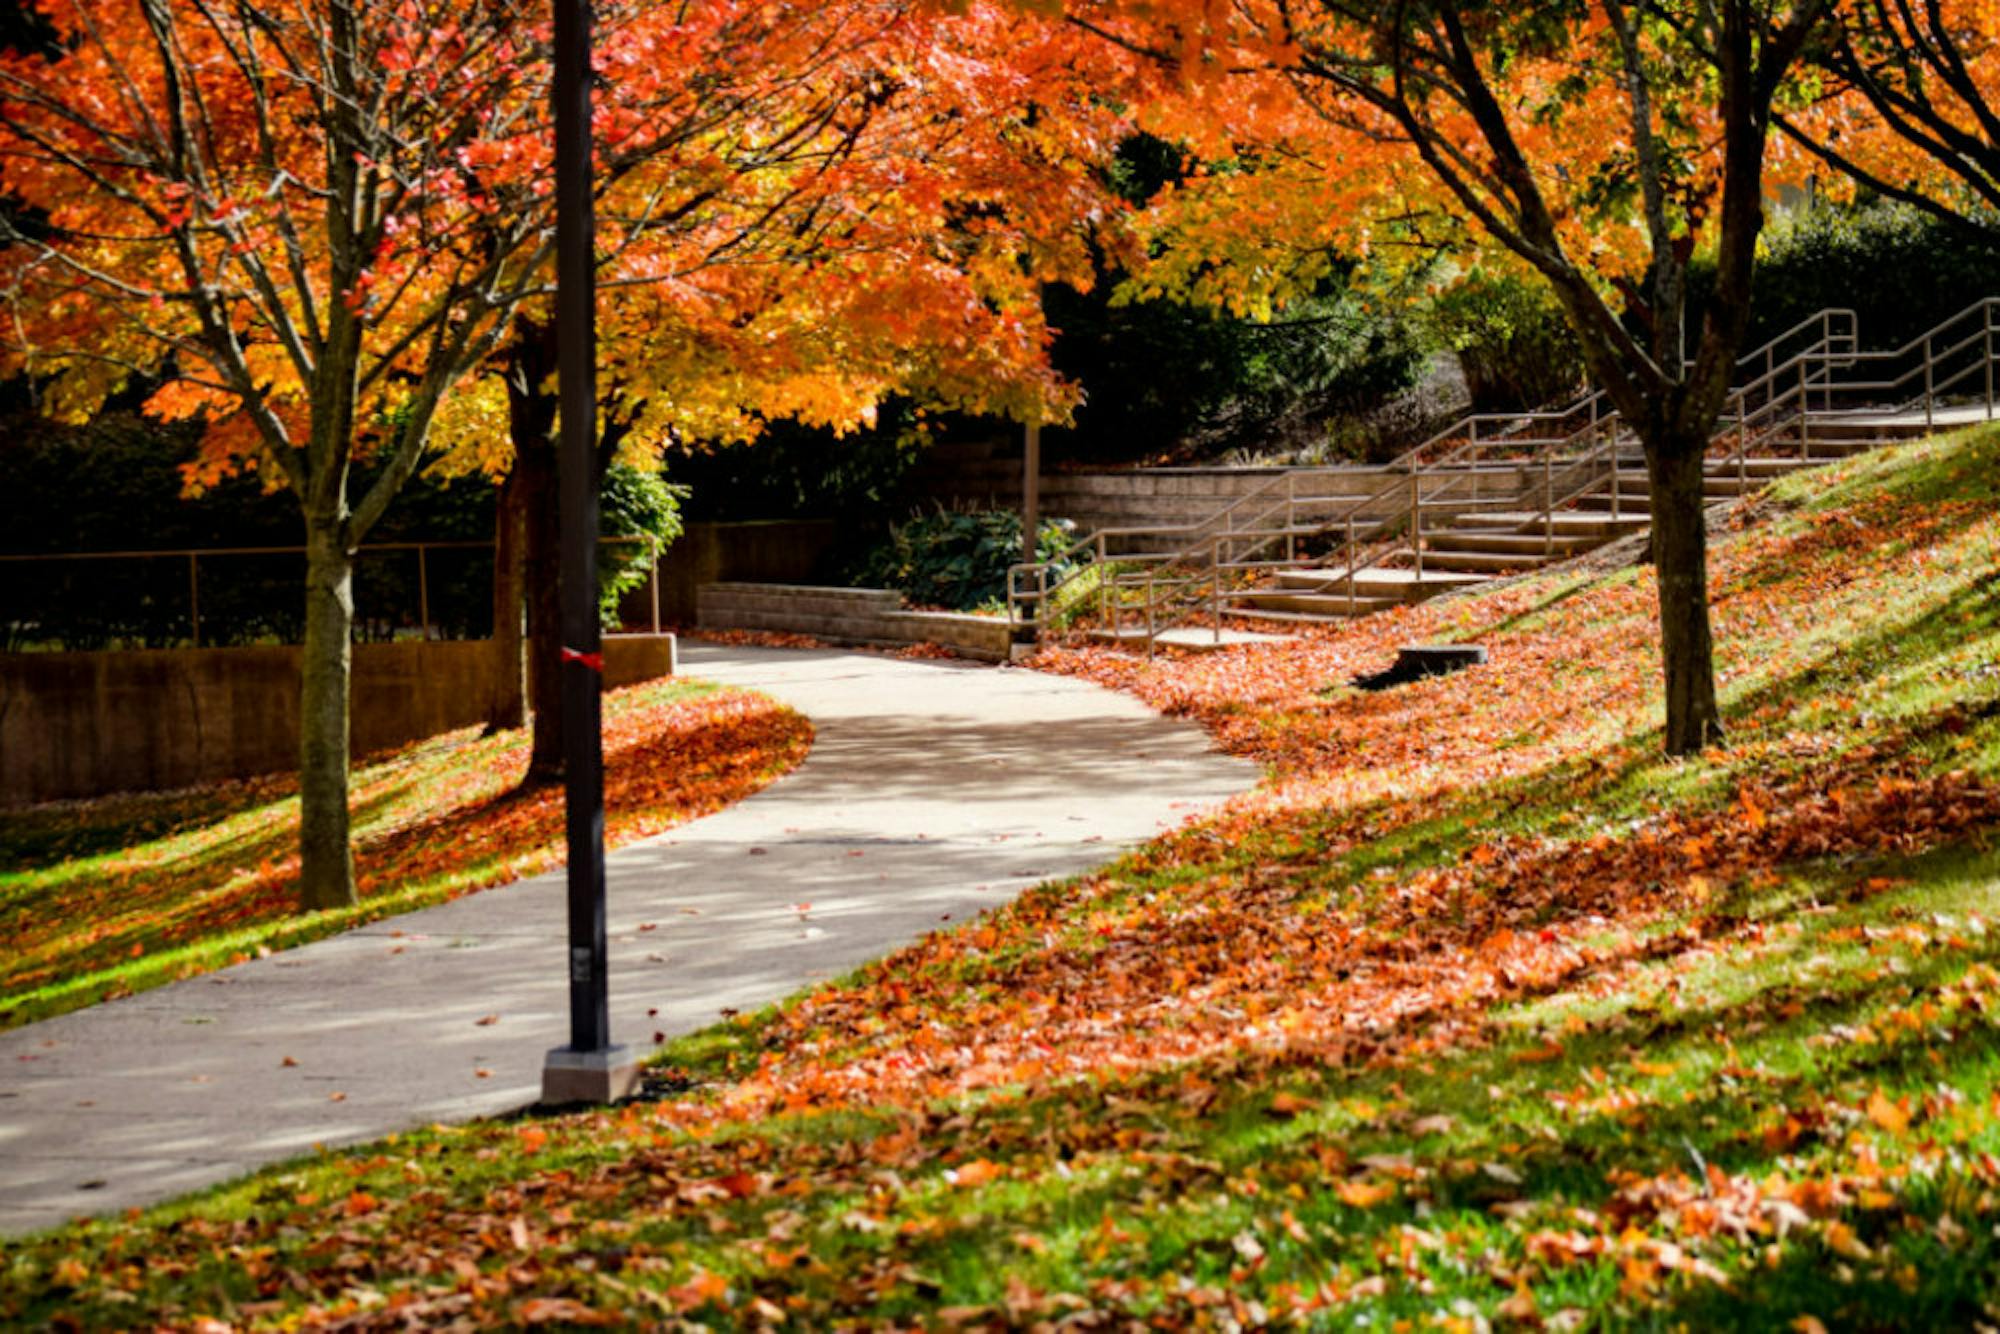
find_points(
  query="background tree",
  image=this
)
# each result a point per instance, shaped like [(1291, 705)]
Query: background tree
[(311, 218), (1602, 144), (875, 216), (1904, 105)]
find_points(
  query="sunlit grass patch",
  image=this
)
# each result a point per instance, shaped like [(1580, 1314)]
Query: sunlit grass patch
[(106, 897), (1479, 1013)]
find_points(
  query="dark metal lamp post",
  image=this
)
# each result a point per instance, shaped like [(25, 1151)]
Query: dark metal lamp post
[(591, 1068)]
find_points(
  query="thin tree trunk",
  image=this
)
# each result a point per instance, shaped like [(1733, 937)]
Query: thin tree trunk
[(510, 577), (326, 859), (1680, 560)]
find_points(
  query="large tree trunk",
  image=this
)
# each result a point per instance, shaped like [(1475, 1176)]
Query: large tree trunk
[(1680, 559), (326, 860), (537, 467), (510, 579)]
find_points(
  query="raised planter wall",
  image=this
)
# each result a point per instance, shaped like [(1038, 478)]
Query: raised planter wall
[(84, 724), (1161, 497), (868, 616)]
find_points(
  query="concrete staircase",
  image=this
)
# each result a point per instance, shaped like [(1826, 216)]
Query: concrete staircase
[(1476, 547), (1500, 494)]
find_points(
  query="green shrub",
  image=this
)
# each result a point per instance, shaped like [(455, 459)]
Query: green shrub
[(1512, 340), (1901, 270), (633, 503), (956, 559)]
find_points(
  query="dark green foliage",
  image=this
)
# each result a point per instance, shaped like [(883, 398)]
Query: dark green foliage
[(794, 471), (116, 486), (953, 559), (640, 504), (1512, 340), (1160, 374), (1900, 270)]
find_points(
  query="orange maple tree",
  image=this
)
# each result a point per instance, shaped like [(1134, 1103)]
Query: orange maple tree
[(304, 222), (876, 216), (1905, 103), (1601, 145), (312, 222)]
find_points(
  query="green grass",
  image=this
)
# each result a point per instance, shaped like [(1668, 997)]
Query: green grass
[(107, 897), (1590, 1038)]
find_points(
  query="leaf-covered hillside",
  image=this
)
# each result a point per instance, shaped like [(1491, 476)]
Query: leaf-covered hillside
[(1478, 1014)]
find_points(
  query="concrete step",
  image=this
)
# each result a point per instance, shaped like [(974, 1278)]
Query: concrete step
[(1334, 614), (1191, 638), (1839, 441), (1484, 562), (1389, 584), (1565, 523), (1526, 544), (1326, 606), (1869, 432)]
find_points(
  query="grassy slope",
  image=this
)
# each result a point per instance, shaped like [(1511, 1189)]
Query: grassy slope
[(1478, 1012), (104, 897)]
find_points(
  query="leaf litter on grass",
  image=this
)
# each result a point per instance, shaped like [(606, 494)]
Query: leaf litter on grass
[(209, 875), (1477, 1013)]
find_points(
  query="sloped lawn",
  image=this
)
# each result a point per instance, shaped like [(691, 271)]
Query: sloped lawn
[(1478, 1013)]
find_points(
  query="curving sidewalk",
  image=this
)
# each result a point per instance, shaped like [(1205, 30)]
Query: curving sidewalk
[(933, 790)]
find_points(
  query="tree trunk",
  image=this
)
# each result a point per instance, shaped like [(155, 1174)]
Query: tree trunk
[(1680, 560), (531, 426), (536, 466), (326, 858), (510, 577)]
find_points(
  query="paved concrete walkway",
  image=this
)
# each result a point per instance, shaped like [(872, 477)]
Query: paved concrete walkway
[(933, 790)]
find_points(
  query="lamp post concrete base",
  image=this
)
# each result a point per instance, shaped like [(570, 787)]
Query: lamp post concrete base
[(571, 1076)]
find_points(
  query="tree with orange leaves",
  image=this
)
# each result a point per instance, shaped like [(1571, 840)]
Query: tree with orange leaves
[(313, 220), (882, 224), (1906, 104), (1602, 144), (310, 219)]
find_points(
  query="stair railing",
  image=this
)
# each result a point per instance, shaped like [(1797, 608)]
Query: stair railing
[(1231, 539), (1590, 458), (1576, 466), (1955, 358)]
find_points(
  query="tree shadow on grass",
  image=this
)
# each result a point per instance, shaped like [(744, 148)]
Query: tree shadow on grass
[(147, 912)]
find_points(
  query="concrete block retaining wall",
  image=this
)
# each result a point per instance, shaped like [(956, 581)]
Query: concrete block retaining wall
[(84, 724), (871, 616), (1159, 497)]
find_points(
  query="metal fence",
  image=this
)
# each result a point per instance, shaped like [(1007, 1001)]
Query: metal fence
[(214, 596)]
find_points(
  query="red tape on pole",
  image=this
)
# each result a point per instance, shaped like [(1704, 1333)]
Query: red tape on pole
[(594, 661)]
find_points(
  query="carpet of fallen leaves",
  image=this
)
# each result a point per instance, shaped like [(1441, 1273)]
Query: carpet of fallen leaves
[(1476, 1014), (196, 879)]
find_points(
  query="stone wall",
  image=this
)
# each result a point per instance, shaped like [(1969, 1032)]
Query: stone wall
[(83, 724), (983, 474), (867, 616)]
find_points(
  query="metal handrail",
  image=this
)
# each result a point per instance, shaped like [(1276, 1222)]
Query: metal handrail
[(1834, 324), (1585, 457), (1607, 448)]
